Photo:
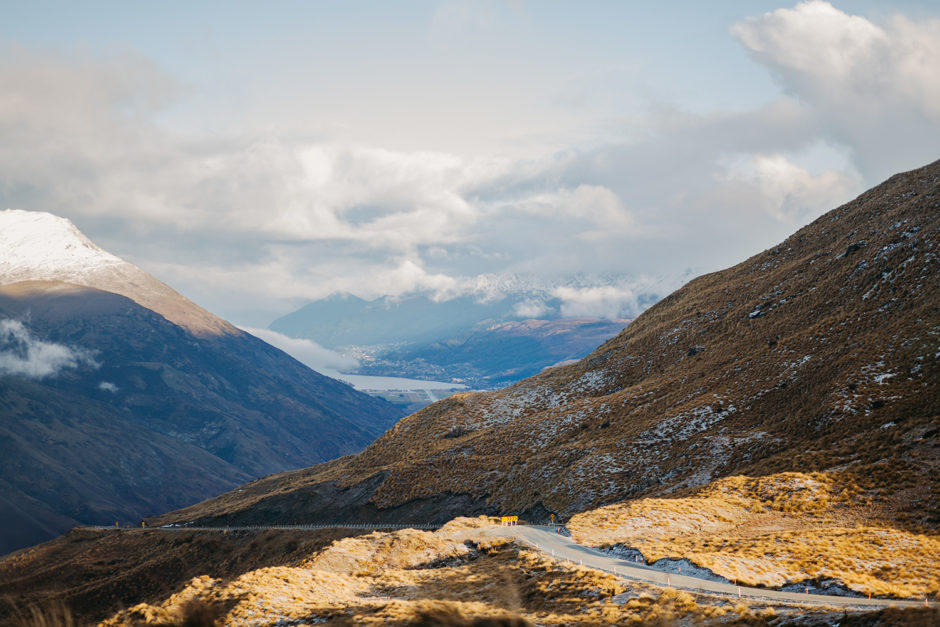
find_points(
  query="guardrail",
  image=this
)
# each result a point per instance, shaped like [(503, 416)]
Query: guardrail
[(265, 527)]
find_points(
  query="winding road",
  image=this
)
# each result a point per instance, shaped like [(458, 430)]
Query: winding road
[(561, 547), (547, 540)]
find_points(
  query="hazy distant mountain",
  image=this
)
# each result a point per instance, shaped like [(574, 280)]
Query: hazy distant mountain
[(819, 355), (112, 410), (344, 320), (495, 355), (482, 343)]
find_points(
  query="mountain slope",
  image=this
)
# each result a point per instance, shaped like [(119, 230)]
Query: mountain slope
[(817, 355), (111, 411), (158, 418)]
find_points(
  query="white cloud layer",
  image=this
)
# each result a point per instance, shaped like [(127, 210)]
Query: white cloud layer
[(606, 301), (875, 88), (23, 354), (307, 352), (252, 224)]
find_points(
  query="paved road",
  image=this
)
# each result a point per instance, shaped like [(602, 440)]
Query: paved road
[(546, 539), (375, 526)]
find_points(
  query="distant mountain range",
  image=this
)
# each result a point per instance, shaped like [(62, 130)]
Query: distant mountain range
[(819, 355), (119, 398), (484, 343), (497, 354)]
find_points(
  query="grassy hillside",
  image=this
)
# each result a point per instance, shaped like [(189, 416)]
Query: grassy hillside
[(818, 355)]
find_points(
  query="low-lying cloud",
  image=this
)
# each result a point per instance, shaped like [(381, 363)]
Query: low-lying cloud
[(603, 302), (23, 354), (307, 352)]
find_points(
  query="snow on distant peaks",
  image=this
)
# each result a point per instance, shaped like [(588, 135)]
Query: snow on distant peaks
[(39, 246)]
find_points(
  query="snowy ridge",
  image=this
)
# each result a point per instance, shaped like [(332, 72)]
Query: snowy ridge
[(39, 246)]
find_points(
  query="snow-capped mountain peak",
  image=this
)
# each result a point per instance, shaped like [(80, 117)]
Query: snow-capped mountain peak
[(39, 246)]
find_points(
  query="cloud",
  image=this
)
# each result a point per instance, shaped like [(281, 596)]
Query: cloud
[(307, 352), (788, 192), (605, 302), (531, 308), (871, 87), (594, 211), (107, 386), (22, 354), (271, 219)]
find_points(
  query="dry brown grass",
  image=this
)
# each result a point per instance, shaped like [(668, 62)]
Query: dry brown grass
[(93, 574), (771, 531), (51, 614)]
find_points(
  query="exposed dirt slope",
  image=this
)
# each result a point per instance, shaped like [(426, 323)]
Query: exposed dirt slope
[(819, 354)]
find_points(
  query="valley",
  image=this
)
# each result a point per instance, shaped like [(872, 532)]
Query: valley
[(772, 425), (443, 313)]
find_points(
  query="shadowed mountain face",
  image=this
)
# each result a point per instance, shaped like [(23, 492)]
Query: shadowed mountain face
[(820, 354), (148, 416)]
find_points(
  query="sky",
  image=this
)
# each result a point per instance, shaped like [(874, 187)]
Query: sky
[(257, 156)]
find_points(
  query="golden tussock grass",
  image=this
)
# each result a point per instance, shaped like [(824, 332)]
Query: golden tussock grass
[(423, 578), (773, 530), (450, 577)]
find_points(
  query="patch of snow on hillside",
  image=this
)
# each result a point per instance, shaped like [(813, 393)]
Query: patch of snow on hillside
[(528, 398), (517, 402), (560, 423), (672, 336), (877, 372), (685, 424), (590, 382)]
